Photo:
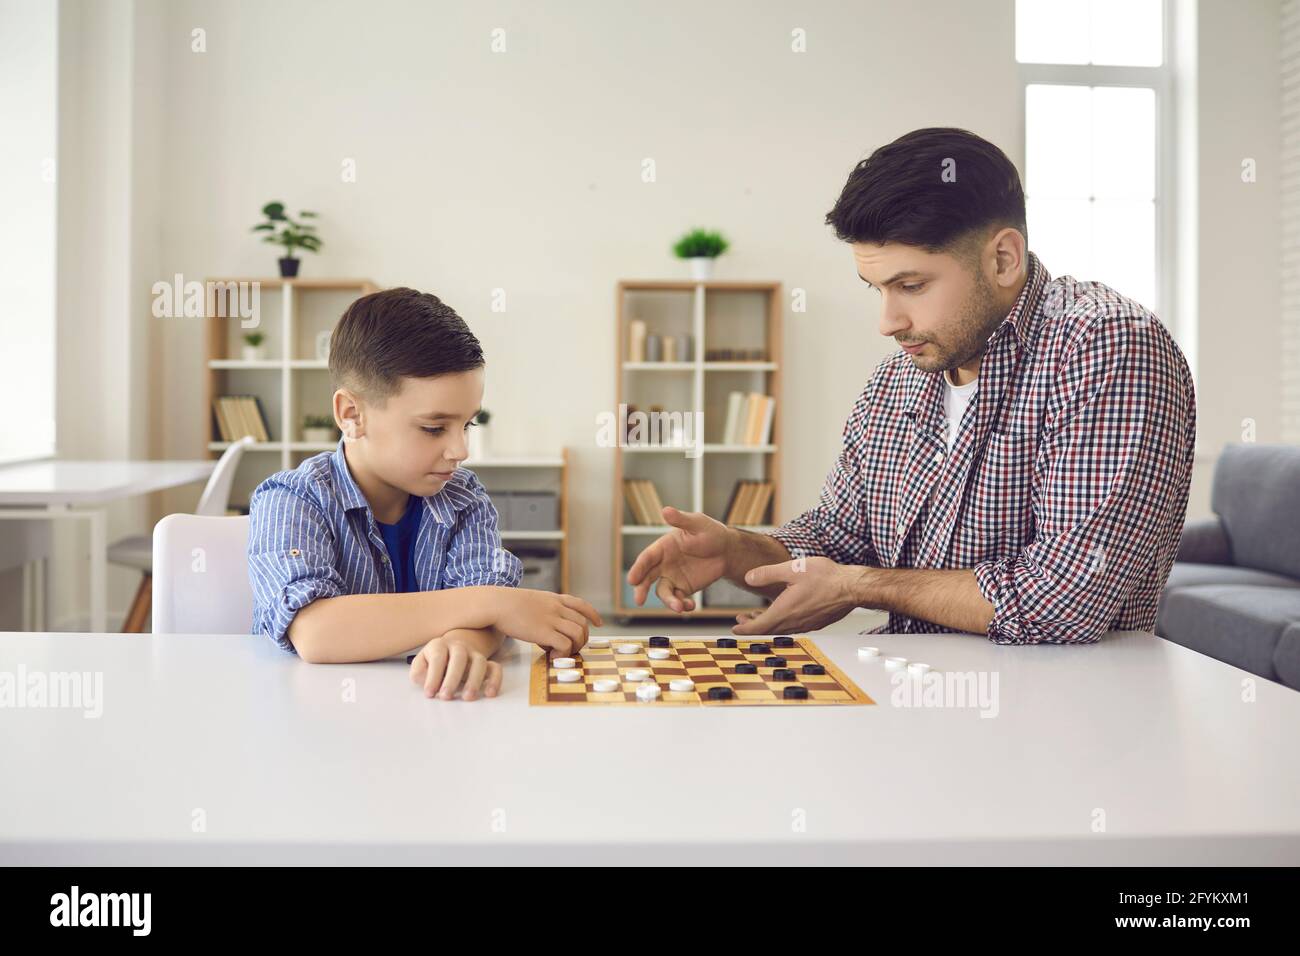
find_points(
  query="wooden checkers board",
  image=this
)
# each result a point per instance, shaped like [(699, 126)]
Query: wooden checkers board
[(704, 662)]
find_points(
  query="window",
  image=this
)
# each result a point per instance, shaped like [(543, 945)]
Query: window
[(1097, 103), (28, 74)]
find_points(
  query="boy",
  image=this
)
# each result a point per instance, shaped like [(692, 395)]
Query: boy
[(385, 544)]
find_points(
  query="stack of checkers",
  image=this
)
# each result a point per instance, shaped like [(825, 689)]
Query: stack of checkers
[(708, 671)]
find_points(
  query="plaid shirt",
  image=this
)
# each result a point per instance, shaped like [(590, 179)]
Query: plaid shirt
[(312, 534), (1066, 489)]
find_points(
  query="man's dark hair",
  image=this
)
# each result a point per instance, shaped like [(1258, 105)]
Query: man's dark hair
[(398, 333), (939, 188)]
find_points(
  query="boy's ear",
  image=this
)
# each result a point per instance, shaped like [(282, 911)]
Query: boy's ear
[(347, 411)]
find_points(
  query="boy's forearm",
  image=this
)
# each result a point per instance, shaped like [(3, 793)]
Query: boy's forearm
[(368, 627)]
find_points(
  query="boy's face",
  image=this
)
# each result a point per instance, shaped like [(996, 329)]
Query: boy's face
[(416, 441)]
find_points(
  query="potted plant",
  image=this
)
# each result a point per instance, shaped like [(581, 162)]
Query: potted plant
[(319, 429), (700, 247), (478, 435), (254, 350), (283, 231)]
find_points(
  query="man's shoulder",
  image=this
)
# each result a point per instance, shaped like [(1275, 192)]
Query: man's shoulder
[(1076, 312)]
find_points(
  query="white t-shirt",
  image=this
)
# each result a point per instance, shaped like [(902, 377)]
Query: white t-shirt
[(955, 400)]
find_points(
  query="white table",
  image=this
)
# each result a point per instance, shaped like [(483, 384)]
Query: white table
[(280, 768), (56, 489)]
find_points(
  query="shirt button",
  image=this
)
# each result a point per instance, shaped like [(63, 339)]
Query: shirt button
[(938, 457), (384, 559)]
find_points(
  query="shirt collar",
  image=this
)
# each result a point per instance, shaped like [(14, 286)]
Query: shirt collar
[(1019, 321), (456, 494)]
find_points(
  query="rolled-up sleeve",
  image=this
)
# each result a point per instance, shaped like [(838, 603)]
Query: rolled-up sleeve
[(1111, 470), (475, 555), (292, 559), (837, 527)]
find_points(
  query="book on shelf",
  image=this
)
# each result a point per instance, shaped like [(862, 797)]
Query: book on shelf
[(240, 415), (749, 502), (643, 499), (749, 419), (636, 332)]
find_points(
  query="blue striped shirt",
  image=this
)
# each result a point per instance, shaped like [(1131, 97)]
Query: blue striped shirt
[(312, 534)]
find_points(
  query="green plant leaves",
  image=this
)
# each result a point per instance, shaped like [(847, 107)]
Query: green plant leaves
[(700, 242)]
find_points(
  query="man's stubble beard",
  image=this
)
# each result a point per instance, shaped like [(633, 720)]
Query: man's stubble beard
[(979, 320)]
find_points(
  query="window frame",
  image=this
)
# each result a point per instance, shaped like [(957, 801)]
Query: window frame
[(1160, 80)]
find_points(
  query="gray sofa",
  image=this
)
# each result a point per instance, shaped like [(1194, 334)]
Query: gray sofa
[(1234, 590)]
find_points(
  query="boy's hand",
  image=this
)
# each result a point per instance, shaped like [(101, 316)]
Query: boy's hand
[(558, 623), (454, 662)]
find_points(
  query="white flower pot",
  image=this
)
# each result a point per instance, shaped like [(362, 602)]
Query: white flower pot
[(319, 436), (254, 353), (701, 268)]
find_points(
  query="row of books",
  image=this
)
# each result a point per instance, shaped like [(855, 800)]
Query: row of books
[(749, 419), (643, 498), (240, 415), (749, 502)]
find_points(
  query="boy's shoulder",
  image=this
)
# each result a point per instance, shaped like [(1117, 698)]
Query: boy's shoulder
[(312, 480)]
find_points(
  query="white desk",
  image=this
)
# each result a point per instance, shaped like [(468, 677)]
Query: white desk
[(52, 488), (286, 771)]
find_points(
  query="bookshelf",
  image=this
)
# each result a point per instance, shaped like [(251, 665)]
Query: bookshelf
[(289, 382), (744, 317), (293, 381)]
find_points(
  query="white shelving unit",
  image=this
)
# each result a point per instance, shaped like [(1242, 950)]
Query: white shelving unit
[(541, 473), (281, 381), (708, 483)]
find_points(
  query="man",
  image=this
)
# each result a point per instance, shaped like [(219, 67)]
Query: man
[(1019, 469)]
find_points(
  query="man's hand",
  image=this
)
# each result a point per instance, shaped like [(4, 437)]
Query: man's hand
[(559, 623), (817, 592), (687, 559), (456, 661)]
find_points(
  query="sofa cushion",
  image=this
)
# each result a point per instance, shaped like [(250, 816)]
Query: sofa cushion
[(1286, 659), (1237, 624), (1254, 494), (1185, 574)]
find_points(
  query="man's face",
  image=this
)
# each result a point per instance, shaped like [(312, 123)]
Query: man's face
[(417, 439), (942, 305)]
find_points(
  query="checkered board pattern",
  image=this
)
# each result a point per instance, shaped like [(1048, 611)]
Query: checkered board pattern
[(707, 665)]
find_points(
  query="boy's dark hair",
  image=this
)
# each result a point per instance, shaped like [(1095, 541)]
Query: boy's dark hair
[(938, 188), (398, 333)]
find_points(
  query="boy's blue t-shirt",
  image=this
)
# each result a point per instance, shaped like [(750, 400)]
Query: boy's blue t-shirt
[(400, 540)]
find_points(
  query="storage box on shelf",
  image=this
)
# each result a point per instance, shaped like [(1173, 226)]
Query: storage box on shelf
[(531, 495)]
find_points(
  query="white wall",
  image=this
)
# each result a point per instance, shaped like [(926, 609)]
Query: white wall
[(1238, 282), (522, 171)]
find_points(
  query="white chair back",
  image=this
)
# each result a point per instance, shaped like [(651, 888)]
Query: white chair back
[(216, 493), (200, 575)]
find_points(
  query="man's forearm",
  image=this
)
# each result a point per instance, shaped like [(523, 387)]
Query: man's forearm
[(747, 550), (947, 598), (368, 627)]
